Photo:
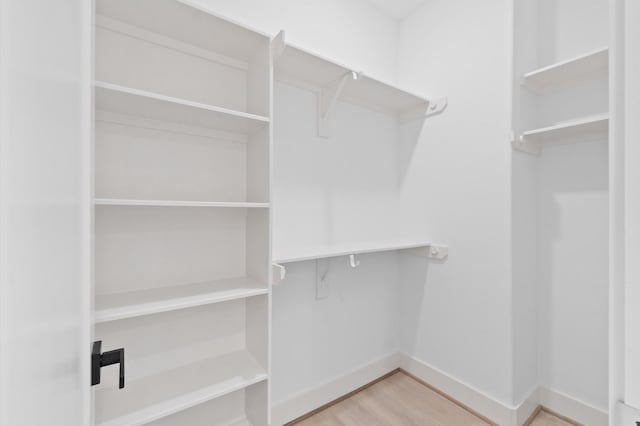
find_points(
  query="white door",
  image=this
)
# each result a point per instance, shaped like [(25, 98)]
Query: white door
[(45, 214)]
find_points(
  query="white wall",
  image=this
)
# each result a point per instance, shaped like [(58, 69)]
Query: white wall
[(352, 32), (457, 319), (572, 261)]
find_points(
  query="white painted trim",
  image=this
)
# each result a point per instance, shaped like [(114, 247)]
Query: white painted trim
[(573, 408), (332, 389), (503, 414), (473, 398), (527, 407)]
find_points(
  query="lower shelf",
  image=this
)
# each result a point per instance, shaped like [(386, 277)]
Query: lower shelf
[(151, 398), (570, 131), (112, 307)]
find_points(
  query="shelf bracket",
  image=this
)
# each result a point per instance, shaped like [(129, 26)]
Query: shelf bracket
[(433, 251), (279, 273), (432, 107), (327, 98), (278, 45)]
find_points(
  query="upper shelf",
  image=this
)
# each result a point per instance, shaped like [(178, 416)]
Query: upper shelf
[(337, 250), (295, 65), (129, 101), (593, 64), (187, 22)]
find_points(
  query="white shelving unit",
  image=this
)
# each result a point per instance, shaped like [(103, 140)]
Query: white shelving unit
[(570, 84), (593, 64), (182, 218)]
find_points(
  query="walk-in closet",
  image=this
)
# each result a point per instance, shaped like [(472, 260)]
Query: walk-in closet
[(319, 213)]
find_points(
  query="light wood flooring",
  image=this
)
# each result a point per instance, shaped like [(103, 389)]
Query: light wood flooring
[(400, 400)]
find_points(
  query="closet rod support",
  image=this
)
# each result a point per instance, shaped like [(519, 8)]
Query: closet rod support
[(432, 251), (427, 109), (327, 98), (280, 273)]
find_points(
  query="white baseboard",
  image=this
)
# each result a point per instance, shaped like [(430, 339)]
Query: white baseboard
[(466, 394), (475, 399), (527, 407), (572, 408), (332, 389)]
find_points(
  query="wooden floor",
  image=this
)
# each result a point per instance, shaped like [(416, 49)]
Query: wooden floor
[(401, 400)]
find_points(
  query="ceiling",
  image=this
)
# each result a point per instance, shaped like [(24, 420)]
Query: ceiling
[(398, 9)]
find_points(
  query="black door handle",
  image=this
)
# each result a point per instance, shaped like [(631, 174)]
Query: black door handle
[(101, 359)]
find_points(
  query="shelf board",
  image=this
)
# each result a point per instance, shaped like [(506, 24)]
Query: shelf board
[(337, 250), (173, 203), (593, 64), (570, 130), (125, 100), (151, 398), (295, 65), (113, 307), (187, 22)]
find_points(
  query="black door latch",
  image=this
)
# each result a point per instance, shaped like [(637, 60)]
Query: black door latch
[(100, 359)]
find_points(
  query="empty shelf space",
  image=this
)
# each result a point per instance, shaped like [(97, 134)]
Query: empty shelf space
[(112, 307), (593, 64), (296, 65), (125, 100), (337, 250), (154, 397), (186, 22), (173, 203), (570, 130)]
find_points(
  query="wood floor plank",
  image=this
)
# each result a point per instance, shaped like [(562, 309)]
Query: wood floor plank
[(396, 400), (400, 400)]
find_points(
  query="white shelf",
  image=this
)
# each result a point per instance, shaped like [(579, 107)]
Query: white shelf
[(593, 64), (188, 22), (337, 250), (151, 398), (570, 130), (112, 307), (171, 203), (295, 65), (129, 101)]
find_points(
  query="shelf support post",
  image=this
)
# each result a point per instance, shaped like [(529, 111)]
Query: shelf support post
[(278, 45), (327, 98)]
